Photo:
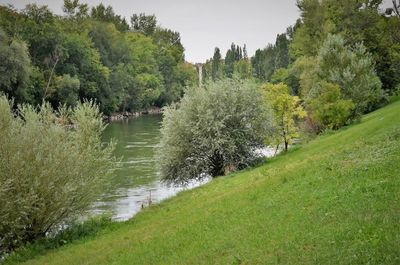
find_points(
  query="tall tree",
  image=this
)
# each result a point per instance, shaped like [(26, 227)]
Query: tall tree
[(143, 23), (106, 14), (281, 51), (352, 69), (216, 64), (15, 68)]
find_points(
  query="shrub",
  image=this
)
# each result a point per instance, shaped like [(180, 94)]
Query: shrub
[(213, 131), (352, 69), (329, 110), (52, 167)]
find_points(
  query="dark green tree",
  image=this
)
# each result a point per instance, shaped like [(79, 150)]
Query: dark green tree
[(106, 14), (143, 23), (15, 68), (216, 64)]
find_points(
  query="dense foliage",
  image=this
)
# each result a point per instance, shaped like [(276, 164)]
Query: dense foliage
[(287, 114), (235, 64), (342, 58), (213, 131), (352, 70), (90, 54), (52, 167)]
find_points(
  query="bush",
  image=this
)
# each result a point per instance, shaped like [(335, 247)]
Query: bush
[(328, 110), (52, 167), (213, 131), (352, 69)]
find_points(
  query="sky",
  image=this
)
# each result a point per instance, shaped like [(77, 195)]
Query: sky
[(205, 24)]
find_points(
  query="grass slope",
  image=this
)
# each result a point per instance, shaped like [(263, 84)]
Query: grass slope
[(335, 200)]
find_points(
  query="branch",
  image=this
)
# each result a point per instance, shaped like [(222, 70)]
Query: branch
[(51, 75)]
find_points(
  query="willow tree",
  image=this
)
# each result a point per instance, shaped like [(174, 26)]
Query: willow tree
[(213, 131), (53, 166)]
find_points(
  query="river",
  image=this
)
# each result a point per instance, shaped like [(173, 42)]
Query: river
[(136, 181)]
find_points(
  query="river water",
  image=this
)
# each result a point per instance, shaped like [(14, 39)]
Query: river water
[(137, 180)]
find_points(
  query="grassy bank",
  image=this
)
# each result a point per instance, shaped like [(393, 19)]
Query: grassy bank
[(334, 200)]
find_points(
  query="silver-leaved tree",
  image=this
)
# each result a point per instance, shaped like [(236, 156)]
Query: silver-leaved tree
[(53, 165), (213, 131)]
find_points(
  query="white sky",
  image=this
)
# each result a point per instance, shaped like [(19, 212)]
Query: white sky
[(205, 24)]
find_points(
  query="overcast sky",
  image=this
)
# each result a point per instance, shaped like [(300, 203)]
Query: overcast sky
[(205, 24)]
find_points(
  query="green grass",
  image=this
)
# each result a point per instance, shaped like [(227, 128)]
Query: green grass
[(334, 200)]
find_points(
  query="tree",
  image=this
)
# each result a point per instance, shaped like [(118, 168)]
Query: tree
[(357, 22), (243, 69), (84, 62), (328, 109), (147, 81), (15, 68), (144, 24), (74, 9), (67, 90), (213, 131), (106, 14), (169, 57), (97, 50), (281, 75), (263, 62), (229, 61), (257, 62), (245, 56), (281, 51), (216, 64), (52, 168), (351, 69), (287, 111)]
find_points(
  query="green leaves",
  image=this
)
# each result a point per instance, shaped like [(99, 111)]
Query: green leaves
[(287, 112), (213, 131), (15, 67), (52, 167), (329, 110)]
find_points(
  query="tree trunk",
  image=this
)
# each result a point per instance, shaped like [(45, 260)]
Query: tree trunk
[(217, 168)]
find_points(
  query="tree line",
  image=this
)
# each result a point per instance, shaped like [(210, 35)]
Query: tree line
[(90, 53), (341, 59)]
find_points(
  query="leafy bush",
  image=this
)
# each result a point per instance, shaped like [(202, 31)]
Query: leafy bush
[(52, 167), (328, 109), (351, 69), (213, 131)]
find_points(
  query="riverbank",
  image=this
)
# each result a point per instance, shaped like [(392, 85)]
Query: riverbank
[(333, 200), (119, 116)]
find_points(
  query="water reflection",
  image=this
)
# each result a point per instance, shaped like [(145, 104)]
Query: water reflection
[(137, 181)]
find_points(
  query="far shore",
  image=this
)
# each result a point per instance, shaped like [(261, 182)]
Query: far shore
[(118, 116)]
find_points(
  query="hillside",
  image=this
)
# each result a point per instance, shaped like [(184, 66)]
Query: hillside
[(334, 200)]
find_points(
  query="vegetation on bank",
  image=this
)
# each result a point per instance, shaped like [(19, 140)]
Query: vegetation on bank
[(217, 128), (213, 131), (90, 53), (333, 200), (339, 62), (294, 52), (53, 165)]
